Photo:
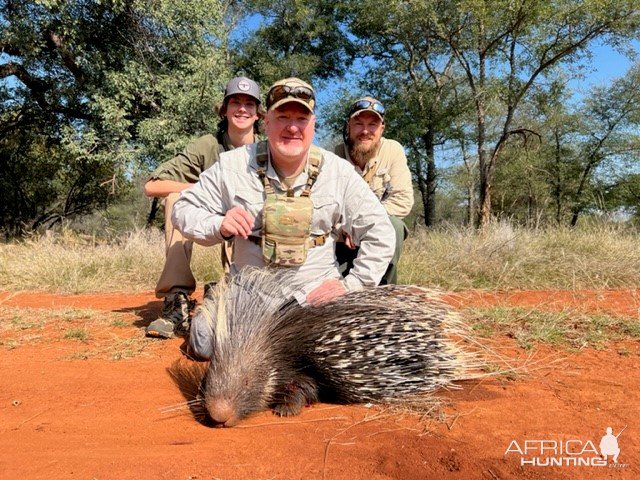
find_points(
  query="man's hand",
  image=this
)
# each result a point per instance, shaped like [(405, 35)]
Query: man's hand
[(326, 291), (348, 241), (238, 222)]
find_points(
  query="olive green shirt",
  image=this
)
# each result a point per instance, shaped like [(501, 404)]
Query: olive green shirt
[(391, 180), (199, 155)]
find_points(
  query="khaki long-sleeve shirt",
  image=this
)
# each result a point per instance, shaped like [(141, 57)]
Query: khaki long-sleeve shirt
[(391, 181), (340, 198)]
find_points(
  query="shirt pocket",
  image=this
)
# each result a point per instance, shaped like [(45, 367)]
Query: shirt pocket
[(253, 202), (325, 214), (381, 182)]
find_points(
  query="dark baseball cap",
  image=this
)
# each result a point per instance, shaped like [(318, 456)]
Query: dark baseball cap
[(242, 85)]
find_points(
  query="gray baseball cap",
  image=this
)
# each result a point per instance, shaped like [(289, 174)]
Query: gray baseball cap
[(242, 85)]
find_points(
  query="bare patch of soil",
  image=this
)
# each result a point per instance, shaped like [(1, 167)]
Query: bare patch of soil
[(68, 409)]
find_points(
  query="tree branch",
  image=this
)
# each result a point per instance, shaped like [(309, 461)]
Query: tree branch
[(38, 89), (55, 42)]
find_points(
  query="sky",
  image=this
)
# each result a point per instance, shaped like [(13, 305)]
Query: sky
[(607, 64)]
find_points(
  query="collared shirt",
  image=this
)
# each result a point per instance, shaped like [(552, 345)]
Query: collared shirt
[(340, 198), (391, 181)]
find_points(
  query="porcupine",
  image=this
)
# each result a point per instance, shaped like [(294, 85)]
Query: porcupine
[(383, 344)]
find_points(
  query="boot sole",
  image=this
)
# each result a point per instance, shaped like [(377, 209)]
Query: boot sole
[(159, 334)]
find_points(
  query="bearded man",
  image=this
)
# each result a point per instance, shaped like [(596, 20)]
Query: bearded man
[(383, 165)]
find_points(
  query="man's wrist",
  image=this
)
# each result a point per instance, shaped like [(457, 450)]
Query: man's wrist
[(352, 283)]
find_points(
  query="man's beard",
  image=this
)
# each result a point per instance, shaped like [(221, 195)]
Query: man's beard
[(361, 154)]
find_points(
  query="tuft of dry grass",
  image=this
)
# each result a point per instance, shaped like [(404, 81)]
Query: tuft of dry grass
[(79, 334), (454, 258)]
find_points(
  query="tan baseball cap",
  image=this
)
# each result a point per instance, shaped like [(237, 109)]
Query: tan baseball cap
[(291, 89)]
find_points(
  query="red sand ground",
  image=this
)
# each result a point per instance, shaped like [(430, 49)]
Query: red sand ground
[(100, 418)]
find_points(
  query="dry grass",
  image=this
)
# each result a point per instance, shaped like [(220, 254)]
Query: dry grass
[(91, 331), (502, 257), (568, 328), (68, 264), (18, 318)]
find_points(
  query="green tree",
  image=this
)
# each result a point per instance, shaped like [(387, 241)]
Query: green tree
[(414, 75), (92, 91), (301, 38), (624, 196), (586, 154), (505, 47), (610, 142)]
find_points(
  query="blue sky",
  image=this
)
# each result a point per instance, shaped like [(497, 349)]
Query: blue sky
[(606, 64)]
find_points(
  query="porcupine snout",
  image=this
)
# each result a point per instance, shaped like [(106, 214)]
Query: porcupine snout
[(221, 409), (222, 412)]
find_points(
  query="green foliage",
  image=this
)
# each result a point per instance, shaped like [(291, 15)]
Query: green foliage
[(625, 195), (504, 48), (97, 92), (457, 74), (94, 94), (580, 159), (301, 38)]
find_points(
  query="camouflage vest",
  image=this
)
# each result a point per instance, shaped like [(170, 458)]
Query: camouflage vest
[(286, 220)]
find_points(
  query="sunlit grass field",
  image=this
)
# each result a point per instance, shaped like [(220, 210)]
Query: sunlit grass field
[(501, 257)]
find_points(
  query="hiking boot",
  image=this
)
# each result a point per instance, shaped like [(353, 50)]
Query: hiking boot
[(174, 319)]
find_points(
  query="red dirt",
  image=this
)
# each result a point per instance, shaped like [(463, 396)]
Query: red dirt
[(100, 418)]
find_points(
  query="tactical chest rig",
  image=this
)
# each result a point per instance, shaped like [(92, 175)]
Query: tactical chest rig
[(286, 219)]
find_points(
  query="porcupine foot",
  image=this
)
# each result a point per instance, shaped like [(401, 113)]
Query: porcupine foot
[(295, 395)]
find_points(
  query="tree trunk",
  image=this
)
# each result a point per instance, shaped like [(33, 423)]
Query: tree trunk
[(429, 194), (422, 186), (470, 204), (484, 203), (557, 190), (484, 208), (577, 208)]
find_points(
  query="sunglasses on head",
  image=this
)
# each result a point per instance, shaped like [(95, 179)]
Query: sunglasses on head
[(283, 91), (366, 105)]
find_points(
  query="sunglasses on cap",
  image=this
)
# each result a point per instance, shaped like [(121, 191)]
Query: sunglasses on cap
[(279, 92), (366, 105)]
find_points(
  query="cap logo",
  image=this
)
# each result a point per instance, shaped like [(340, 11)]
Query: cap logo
[(243, 85)]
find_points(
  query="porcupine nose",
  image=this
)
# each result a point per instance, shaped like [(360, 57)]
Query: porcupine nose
[(222, 413)]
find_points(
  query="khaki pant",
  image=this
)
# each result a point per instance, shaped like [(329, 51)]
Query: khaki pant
[(176, 274), (345, 256)]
